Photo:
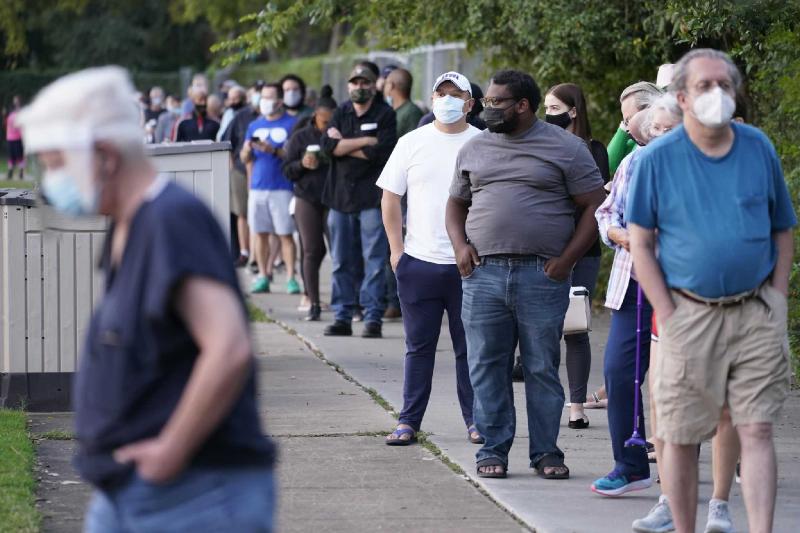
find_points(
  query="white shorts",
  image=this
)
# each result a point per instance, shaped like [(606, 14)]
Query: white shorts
[(268, 212)]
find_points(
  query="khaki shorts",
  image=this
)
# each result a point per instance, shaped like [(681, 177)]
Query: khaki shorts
[(710, 356), (238, 193)]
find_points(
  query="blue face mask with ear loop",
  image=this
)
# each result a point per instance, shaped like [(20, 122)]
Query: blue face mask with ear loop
[(448, 109)]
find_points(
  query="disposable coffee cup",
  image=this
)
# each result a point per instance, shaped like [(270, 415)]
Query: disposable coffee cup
[(313, 149)]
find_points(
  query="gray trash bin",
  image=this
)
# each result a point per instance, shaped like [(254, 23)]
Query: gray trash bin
[(49, 283)]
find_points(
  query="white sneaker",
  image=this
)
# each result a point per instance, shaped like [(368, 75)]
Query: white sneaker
[(658, 520), (719, 517)]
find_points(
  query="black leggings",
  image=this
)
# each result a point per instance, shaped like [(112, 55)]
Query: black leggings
[(310, 219)]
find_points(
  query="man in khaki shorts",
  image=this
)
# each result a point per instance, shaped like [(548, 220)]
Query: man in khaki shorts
[(712, 196)]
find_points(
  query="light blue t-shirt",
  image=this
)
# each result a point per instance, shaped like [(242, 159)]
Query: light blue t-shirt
[(715, 216), (267, 173)]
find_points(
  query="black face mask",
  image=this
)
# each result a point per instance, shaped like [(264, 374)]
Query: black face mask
[(237, 105), (497, 122), (201, 109), (361, 96), (562, 120)]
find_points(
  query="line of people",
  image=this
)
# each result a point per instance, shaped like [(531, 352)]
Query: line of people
[(493, 226)]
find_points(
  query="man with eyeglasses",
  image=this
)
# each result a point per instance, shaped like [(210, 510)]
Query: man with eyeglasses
[(711, 195), (511, 219)]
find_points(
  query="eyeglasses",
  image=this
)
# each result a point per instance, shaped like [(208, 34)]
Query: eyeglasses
[(493, 101)]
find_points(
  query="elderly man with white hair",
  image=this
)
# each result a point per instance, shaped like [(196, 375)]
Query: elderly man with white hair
[(165, 411)]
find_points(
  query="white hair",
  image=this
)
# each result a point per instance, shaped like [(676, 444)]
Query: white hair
[(666, 102), (76, 110)]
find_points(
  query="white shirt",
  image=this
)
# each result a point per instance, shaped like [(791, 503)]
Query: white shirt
[(422, 165)]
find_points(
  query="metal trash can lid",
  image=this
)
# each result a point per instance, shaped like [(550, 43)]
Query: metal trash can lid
[(25, 197)]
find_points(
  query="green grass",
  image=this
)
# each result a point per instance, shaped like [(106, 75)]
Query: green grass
[(17, 486), (256, 314), (15, 184), (55, 434)]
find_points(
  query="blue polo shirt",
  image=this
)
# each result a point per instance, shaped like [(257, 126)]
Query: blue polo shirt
[(267, 173), (715, 216), (139, 353)]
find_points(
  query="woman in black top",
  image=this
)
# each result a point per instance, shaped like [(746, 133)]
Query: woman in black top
[(306, 167), (565, 106)]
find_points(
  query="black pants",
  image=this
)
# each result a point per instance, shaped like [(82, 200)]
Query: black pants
[(310, 219)]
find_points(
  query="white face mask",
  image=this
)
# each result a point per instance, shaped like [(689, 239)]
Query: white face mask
[(714, 108), (255, 98), (267, 107), (292, 98), (448, 109)]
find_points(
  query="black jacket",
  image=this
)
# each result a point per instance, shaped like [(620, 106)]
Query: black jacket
[(196, 128), (308, 184), (350, 186)]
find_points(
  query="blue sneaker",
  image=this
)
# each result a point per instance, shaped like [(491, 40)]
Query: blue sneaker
[(616, 484)]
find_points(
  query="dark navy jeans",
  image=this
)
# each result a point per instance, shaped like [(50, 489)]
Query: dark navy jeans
[(509, 300), (619, 370), (426, 291), (358, 245)]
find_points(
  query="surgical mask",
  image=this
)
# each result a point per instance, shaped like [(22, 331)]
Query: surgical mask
[(267, 107), (175, 110), (69, 189), (389, 100), (155, 101), (255, 98), (714, 108), (448, 109), (292, 98), (361, 96), (562, 120), (496, 120)]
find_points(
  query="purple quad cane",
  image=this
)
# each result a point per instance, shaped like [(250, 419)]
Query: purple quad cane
[(636, 439)]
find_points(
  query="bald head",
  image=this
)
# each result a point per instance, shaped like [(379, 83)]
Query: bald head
[(399, 81)]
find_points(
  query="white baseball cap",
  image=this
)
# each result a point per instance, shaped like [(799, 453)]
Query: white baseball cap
[(459, 80)]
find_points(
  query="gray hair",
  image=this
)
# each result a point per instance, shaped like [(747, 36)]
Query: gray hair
[(666, 102), (681, 74), (643, 93)]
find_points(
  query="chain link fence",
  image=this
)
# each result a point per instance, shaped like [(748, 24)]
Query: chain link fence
[(425, 64)]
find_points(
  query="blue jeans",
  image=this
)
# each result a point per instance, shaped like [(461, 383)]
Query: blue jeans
[(619, 370), (509, 300), (201, 499), (358, 244), (426, 291)]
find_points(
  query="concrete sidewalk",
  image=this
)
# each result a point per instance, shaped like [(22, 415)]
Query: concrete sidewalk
[(547, 506), (335, 474)]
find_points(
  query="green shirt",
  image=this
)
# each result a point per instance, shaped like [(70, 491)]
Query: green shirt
[(408, 116), (620, 146)]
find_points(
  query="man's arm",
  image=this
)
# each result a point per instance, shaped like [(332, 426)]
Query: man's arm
[(216, 321), (643, 250), (784, 240), (393, 222), (455, 220), (350, 146), (559, 268)]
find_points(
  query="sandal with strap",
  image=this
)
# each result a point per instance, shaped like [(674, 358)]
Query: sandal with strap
[(474, 440), (492, 461), (550, 460), (398, 433)]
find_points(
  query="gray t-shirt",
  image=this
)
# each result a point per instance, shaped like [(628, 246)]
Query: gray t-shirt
[(520, 189)]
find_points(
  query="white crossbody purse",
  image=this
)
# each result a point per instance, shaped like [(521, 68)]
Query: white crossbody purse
[(579, 313)]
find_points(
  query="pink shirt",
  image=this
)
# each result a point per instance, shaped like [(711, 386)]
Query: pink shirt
[(12, 132)]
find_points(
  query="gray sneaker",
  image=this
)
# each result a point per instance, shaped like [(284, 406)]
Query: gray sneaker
[(658, 520), (719, 517)]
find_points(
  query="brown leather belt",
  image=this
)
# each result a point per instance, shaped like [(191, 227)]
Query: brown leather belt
[(731, 301)]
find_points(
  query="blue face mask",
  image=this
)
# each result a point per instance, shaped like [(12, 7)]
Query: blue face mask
[(62, 192), (255, 99), (448, 109)]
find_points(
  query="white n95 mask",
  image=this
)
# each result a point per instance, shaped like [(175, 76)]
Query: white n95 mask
[(714, 108)]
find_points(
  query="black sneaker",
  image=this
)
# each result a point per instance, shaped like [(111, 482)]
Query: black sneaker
[(241, 262), (372, 330), (254, 267), (314, 313), (516, 372), (338, 329)]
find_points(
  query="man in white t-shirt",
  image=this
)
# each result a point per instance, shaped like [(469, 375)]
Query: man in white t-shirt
[(428, 281)]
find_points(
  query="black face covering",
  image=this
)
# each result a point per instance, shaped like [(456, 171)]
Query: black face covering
[(562, 120), (497, 122), (201, 109), (237, 105)]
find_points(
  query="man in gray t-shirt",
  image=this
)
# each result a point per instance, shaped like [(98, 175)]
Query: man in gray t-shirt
[(511, 219)]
